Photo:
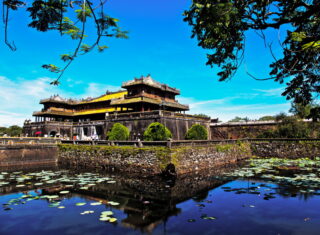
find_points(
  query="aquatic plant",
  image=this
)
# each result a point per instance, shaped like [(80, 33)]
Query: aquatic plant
[(302, 175)]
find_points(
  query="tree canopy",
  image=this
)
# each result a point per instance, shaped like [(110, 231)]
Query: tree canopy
[(220, 26), (197, 132), (267, 118), (118, 132), (239, 119), (156, 131), (11, 131), (69, 18)]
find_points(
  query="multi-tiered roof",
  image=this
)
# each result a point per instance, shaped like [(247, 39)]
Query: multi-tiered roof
[(141, 94)]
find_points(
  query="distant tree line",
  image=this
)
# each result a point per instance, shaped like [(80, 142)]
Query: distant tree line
[(291, 126), (11, 131), (298, 110)]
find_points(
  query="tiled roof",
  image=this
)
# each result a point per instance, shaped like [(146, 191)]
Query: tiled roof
[(150, 82), (79, 113), (105, 97), (149, 100)]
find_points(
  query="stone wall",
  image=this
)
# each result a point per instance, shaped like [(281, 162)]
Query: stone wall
[(137, 123), (286, 149), (64, 129), (192, 159), (178, 124), (28, 155), (153, 160), (239, 131)]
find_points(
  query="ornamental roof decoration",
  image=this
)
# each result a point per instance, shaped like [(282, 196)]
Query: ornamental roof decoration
[(149, 81), (104, 97)]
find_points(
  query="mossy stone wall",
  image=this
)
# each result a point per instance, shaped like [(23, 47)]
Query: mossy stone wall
[(239, 131), (283, 149), (152, 160)]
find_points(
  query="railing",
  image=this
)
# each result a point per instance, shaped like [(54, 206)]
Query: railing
[(27, 140), (134, 114), (174, 114), (155, 113), (177, 143), (48, 122), (249, 123)]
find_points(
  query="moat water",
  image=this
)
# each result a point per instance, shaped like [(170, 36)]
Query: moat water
[(260, 197)]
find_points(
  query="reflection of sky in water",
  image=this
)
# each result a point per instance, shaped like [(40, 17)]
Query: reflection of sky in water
[(248, 214), (234, 214)]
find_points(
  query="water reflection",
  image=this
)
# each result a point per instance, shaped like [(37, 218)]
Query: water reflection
[(207, 202), (145, 202)]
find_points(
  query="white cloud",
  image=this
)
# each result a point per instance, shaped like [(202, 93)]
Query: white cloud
[(193, 104), (97, 89), (226, 109), (20, 98), (271, 92)]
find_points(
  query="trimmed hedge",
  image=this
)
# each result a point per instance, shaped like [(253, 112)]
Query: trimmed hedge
[(156, 131), (197, 132), (118, 132)]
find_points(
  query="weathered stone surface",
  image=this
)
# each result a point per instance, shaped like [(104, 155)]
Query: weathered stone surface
[(24, 154), (152, 160), (192, 159), (228, 131), (283, 149)]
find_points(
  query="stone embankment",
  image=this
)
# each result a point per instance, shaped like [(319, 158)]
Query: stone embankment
[(174, 157), (286, 149), (25, 152), (153, 160), (28, 155)]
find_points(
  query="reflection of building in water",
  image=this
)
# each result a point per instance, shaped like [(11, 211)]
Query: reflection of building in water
[(142, 102), (147, 202)]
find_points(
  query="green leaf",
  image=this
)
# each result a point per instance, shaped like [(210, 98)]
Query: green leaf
[(83, 13), (51, 68), (85, 48), (102, 48), (66, 57)]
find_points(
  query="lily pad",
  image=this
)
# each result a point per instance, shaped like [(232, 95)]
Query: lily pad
[(81, 204), (112, 220), (105, 213), (113, 203), (64, 192), (95, 203)]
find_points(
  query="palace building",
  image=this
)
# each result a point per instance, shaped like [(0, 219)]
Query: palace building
[(141, 102)]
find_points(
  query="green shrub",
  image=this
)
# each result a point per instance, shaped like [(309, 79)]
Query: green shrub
[(293, 129), (156, 131), (118, 132), (201, 115), (197, 132)]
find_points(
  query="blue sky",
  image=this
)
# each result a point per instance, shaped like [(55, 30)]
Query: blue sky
[(159, 43)]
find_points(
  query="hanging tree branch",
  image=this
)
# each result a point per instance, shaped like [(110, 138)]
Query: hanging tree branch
[(219, 27), (50, 15)]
